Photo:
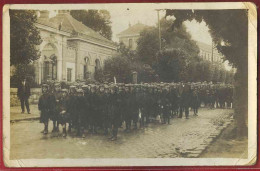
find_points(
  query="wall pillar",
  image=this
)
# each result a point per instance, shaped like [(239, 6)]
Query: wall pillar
[(77, 64), (59, 69)]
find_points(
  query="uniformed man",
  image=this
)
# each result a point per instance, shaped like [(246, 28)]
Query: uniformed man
[(86, 115), (127, 105), (47, 106), (195, 100), (185, 100), (54, 117), (80, 112), (165, 105), (93, 108), (64, 116), (118, 109), (107, 109)]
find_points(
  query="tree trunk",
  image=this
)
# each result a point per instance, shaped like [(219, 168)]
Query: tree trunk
[(241, 101)]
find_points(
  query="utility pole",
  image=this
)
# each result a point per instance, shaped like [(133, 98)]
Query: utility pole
[(159, 29), (212, 52)]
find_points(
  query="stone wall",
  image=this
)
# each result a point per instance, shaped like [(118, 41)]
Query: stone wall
[(35, 95)]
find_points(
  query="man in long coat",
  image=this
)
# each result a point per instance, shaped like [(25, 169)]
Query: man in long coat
[(24, 94)]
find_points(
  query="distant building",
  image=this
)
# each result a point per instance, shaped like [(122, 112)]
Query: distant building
[(130, 36), (70, 50), (206, 53)]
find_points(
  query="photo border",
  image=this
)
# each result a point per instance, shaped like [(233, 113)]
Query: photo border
[(252, 99)]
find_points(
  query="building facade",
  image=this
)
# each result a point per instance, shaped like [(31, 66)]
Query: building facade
[(70, 50), (206, 53), (130, 36)]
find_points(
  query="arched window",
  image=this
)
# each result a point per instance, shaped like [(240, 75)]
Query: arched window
[(86, 69), (97, 66), (130, 43), (49, 69)]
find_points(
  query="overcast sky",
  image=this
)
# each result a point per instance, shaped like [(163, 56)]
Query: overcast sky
[(121, 19)]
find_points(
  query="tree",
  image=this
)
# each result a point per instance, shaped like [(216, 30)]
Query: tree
[(172, 65), (22, 71), (119, 67), (229, 30), (148, 43), (98, 20), (24, 37), (148, 46)]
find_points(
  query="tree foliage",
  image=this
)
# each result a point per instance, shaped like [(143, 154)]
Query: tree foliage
[(148, 43), (122, 67), (229, 30), (23, 71), (98, 20), (24, 37), (148, 46), (172, 65)]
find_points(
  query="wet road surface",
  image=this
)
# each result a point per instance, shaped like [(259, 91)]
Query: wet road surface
[(155, 141)]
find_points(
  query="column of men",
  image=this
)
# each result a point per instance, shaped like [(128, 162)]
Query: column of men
[(87, 108)]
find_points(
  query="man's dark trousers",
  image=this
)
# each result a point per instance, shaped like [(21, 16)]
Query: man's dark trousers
[(24, 100)]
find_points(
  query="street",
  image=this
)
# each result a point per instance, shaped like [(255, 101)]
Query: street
[(182, 138)]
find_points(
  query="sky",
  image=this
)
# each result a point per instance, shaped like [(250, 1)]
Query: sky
[(123, 17)]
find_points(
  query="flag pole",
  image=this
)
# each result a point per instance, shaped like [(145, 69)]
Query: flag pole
[(159, 29)]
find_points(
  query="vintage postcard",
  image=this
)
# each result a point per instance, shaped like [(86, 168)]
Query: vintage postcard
[(140, 84)]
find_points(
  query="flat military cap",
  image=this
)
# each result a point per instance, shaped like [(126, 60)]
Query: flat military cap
[(85, 87), (45, 85), (80, 90), (106, 87), (64, 90)]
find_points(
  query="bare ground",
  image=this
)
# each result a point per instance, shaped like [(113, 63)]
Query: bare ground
[(227, 145)]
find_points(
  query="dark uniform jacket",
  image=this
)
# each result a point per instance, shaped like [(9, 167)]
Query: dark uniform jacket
[(24, 90)]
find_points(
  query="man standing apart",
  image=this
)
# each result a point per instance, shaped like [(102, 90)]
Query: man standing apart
[(24, 94)]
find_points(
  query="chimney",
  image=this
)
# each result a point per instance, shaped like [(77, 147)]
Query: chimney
[(63, 11), (44, 14)]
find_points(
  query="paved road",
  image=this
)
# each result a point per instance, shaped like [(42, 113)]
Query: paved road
[(183, 138), (16, 114)]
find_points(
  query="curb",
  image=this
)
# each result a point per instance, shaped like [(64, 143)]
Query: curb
[(24, 119)]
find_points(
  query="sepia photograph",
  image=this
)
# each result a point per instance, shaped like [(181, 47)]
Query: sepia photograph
[(165, 84)]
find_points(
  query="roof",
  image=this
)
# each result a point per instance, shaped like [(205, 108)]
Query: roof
[(204, 46), (132, 30), (73, 26), (207, 48)]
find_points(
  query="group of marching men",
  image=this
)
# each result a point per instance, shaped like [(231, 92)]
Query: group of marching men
[(88, 107)]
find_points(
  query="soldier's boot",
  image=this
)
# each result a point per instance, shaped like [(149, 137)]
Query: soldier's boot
[(45, 129), (114, 134), (135, 125), (95, 130), (69, 129), (180, 115), (164, 119), (187, 113), (57, 127), (106, 131), (128, 126), (78, 131), (83, 132), (64, 132), (54, 126)]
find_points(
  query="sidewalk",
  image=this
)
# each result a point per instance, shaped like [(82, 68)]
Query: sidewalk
[(16, 114)]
